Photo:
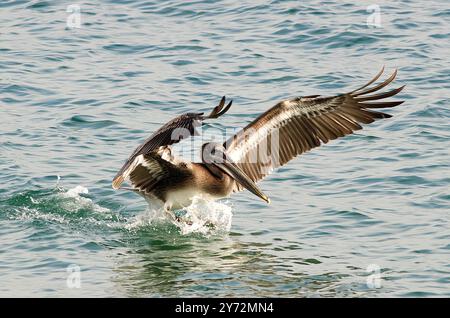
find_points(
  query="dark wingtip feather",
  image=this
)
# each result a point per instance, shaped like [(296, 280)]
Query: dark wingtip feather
[(225, 109), (381, 104), (380, 95), (222, 102), (376, 87), (377, 76), (219, 110)]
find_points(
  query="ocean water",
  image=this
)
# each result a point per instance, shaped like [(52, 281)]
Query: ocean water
[(367, 215)]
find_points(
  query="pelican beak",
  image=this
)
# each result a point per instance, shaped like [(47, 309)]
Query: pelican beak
[(237, 174)]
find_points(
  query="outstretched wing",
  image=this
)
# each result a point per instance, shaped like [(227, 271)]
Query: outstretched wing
[(150, 169), (172, 132), (293, 127)]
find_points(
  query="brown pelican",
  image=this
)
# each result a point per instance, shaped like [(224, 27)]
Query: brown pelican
[(283, 132)]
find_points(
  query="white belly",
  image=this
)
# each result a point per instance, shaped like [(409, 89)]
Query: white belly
[(182, 198)]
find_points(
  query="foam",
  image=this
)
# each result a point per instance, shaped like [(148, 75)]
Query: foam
[(203, 216), (80, 202)]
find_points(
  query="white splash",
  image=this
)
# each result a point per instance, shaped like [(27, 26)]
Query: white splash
[(79, 202), (26, 214), (202, 216), (151, 216), (206, 217), (75, 192)]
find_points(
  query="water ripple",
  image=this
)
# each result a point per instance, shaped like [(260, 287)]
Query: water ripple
[(75, 101)]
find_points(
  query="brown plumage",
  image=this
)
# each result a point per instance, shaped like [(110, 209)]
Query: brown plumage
[(304, 123), (283, 132), (174, 131)]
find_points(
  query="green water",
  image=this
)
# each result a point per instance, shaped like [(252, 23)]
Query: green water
[(74, 102)]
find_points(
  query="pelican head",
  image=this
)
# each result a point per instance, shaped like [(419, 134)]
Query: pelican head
[(214, 156)]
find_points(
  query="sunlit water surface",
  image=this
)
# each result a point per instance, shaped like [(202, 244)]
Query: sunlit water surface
[(74, 102)]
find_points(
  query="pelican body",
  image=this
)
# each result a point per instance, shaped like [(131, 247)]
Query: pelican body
[(192, 180), (280, 134)]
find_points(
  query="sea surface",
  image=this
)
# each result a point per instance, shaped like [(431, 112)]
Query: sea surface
[(83, 83)]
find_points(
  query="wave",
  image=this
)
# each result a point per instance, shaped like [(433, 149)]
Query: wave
[(74, 207), (203, 216)]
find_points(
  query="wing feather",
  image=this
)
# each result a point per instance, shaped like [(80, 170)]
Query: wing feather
[(298, 125), (179, 128), (149, 170)]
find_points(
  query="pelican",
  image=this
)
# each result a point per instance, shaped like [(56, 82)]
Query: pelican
[(283, 132)]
